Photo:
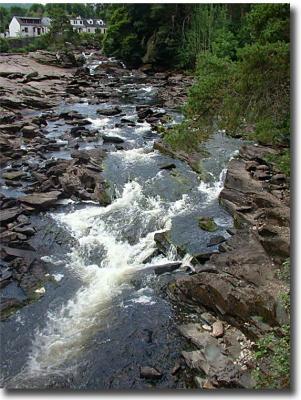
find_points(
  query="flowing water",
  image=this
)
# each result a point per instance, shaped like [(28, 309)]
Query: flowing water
[(103, 314)]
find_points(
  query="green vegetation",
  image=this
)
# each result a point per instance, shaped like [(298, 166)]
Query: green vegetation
[(284, 272), (273, 361), (207, 224), (242, 75), (145, 33), (273, 351)]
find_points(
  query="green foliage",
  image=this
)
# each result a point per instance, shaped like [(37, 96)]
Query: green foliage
[(284, 272), (242, 73), (282, 161), (273, 361), (4, 47), (185, 136), (148, 33)]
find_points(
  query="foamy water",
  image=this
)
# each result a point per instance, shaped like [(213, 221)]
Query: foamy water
[(68, 328)]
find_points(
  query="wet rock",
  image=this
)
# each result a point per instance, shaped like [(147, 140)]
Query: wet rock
[(41, 200), (8, 306), (163, 242), (5, 276), (176, 368), (169, 267), (150, 373), (215, 240), (109, 111), (202, 257), (168, 166), (207, 224), (112, 139), (25, 230), (10, 214), (78, 131)]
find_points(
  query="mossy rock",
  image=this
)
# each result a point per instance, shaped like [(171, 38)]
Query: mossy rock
[(207, 224)]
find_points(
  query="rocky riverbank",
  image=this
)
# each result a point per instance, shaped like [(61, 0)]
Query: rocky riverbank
[(235, 296)]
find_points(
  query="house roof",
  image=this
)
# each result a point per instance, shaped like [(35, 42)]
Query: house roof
[(31, 21)]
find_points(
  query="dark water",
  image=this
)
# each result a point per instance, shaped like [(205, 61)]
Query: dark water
[(101, 318)]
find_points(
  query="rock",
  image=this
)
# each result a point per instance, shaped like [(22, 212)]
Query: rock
[(169, 267), (202, 257), (150, 373), (261, 175), (12, 102), (30, 131), (9, 214), (10, 253), (257, 153), (168, 166), (109, 111), (8, 305), (41, 200), (215, 240), (275, 240), (176, 368), (112, 139), (163, 242), (217, 329), (12, 175), (278, 179), (207, 224), (31, 75), (25, 230), (79, 131), (199, 336)]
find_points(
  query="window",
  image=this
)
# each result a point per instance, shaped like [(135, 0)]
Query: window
[(26, 29), (81, 22), (89, 30)]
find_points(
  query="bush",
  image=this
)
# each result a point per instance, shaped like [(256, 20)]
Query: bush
[(4, 47), (273, 361)]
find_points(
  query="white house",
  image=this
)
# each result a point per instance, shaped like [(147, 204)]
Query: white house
[(28, 26), (90, 25)]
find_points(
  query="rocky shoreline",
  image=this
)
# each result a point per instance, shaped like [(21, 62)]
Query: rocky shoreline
[(236, 294)]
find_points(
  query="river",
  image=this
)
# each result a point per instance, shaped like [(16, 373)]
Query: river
[(104, 314)]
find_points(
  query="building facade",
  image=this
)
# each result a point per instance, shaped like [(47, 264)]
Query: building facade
[(30, 27)]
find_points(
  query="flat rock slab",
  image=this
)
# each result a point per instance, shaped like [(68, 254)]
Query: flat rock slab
[(9, 214), (13, 175), (41, 200), (150, 373)]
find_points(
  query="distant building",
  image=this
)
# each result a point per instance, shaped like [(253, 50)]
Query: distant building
[(30, 27), (90, 25), (4, 34)]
